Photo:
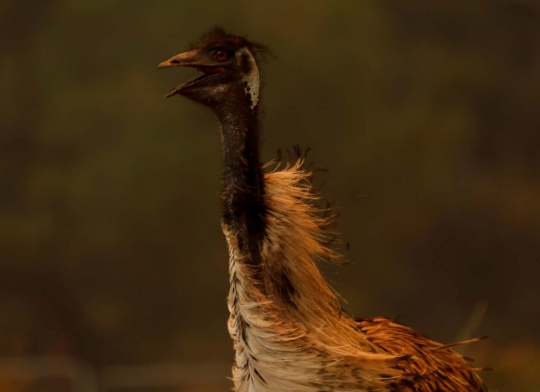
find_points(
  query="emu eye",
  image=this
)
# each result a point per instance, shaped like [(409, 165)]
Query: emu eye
[(221, 55)]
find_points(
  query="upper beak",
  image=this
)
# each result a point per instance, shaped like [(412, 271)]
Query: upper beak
[(191, 58), (195, 59)]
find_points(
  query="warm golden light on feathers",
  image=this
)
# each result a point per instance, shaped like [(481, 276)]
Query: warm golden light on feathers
[(286, 322)]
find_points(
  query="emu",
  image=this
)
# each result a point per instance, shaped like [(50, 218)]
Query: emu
[(288, 329)]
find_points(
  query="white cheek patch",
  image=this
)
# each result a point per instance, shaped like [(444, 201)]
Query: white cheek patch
[(252, 82)]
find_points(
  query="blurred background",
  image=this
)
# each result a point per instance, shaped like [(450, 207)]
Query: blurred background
[(113, 267)]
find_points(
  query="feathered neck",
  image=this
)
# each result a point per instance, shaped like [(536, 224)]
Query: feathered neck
[(243, 205)]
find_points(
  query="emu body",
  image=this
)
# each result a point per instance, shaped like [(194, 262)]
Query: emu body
[(286, 323)]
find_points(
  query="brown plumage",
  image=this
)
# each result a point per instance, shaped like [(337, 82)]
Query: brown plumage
[(286, 323)]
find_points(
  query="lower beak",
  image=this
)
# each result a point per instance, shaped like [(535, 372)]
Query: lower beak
[(193, 59)]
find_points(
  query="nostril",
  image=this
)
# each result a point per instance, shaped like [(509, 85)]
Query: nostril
[(175, 62)]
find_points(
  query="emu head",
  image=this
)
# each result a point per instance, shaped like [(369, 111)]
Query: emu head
[(229, 70)]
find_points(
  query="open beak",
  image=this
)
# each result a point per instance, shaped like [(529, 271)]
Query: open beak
[(193, 59)]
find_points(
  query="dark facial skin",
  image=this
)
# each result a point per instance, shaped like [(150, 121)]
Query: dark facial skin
[(226, 62)]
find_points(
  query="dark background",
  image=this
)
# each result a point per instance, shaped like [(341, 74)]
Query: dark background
[(424, 113)]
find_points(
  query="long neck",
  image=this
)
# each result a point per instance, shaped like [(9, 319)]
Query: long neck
[(243, 205)]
